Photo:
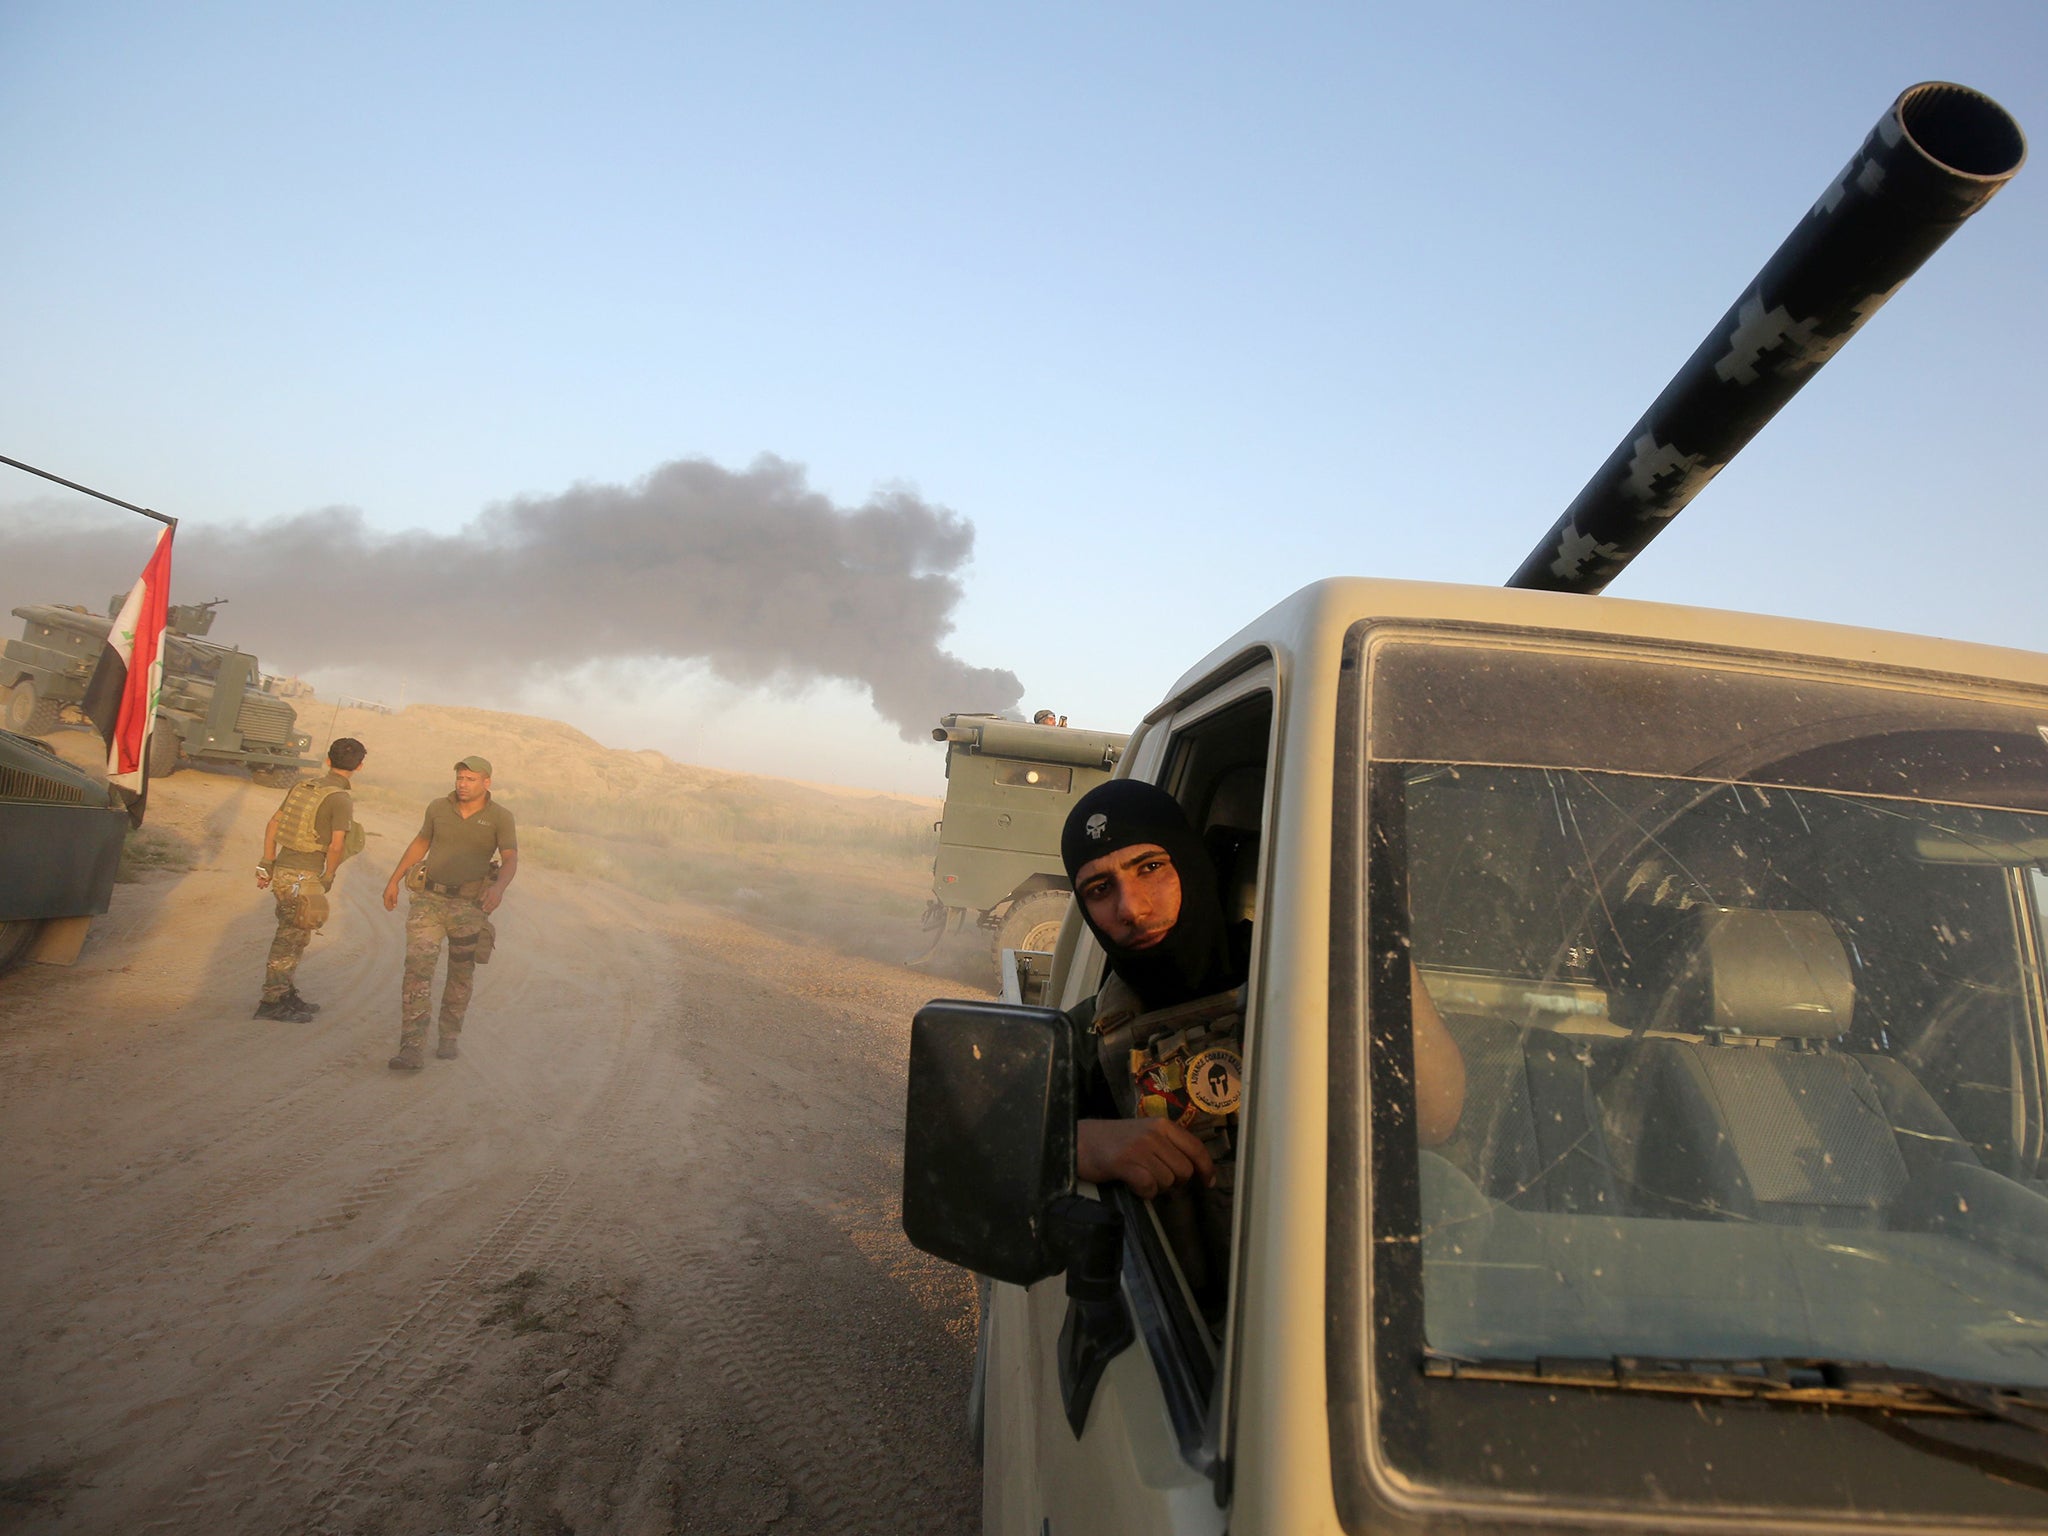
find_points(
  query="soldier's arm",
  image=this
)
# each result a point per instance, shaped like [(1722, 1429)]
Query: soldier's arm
[(414, 852), (269, 850), (508, 866), (1439, 1069), (1149, 1154), (334, 850)]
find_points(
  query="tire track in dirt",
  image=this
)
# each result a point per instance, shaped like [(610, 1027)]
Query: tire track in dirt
[(655, 1103), (264, 1148), (317, 1461), (845, 1467)]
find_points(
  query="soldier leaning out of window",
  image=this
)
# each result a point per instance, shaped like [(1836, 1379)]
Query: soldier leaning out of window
[(1166, 1069)]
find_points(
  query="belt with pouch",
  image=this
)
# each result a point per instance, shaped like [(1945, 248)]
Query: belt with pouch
[(468, 890)]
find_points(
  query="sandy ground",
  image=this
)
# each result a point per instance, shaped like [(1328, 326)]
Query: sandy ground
[(632, 1264)]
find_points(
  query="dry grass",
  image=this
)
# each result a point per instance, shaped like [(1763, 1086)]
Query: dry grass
[(147, 848)]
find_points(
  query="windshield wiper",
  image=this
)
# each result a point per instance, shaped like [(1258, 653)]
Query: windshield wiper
[(1849, 1384)]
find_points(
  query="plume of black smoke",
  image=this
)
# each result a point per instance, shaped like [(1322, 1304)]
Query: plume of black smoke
[(753, 574)]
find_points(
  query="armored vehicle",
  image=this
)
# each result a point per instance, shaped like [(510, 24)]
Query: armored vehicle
[(60, 844), (50, 665), (1008, 786), (1729, 1211), (215, 705)]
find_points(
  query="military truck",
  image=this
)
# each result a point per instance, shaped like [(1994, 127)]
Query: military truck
[(61, 832), (1740, 925), (1008, 786), (215, 705)]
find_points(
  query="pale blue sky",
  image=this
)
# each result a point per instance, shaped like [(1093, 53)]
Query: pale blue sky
[(1205, 301)]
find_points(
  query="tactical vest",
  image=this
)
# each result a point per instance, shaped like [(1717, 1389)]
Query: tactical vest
[(297, 824), (1186, 1064)]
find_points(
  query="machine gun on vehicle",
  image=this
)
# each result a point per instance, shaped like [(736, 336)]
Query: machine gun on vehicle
[(1740, 927)]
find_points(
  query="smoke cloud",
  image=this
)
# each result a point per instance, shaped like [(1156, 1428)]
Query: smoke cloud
[(754, 575)]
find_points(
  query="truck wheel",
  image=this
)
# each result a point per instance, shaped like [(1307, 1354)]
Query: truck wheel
[(27, 713), (1034, 922), (163, 749), (16, 936)]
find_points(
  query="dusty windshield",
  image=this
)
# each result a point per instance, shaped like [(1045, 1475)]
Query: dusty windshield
[(1749, 996), (189, 660)]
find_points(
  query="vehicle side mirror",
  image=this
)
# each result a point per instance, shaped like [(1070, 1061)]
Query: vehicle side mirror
[(988, 1137)]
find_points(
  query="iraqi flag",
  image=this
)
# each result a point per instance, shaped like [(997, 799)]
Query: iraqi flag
[(121, 698)]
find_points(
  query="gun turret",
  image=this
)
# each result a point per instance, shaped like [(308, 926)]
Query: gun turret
[(193, 618), (1934, 159), (182, 619)]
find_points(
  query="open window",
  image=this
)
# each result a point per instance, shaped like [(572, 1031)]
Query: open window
[(1179, 1255)]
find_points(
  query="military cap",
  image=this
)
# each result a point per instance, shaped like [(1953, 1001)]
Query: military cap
[(475, 764)]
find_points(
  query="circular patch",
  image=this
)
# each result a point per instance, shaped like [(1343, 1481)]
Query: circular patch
[(1215, 1078)]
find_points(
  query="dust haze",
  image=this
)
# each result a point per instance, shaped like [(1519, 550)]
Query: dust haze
[(753, 574)]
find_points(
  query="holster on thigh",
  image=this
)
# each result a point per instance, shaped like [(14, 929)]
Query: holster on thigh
[(309, 908)]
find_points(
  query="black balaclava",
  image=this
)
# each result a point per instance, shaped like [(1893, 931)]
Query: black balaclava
[(1193, 960)]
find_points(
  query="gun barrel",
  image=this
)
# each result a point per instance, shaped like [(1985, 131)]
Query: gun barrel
[(1934, 159)]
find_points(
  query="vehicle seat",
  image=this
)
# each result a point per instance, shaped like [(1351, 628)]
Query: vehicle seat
[(1759, 1118), (1530, 1135), (1230, 831)]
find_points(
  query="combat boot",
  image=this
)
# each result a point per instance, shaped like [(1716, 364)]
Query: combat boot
[(408, 1059), (447, 1050), (283, 1009), (306, 1003)]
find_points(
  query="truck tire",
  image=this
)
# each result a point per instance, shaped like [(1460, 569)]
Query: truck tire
[(29, 714), (1034, 922), (164, 748)]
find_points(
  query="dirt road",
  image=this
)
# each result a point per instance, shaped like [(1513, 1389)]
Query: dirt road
[(632, 1264)]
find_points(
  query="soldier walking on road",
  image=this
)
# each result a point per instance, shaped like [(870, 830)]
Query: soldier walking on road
[(312, 831), (457, 869)]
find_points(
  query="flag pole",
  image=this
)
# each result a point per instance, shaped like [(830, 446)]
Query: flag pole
[(88, 490)]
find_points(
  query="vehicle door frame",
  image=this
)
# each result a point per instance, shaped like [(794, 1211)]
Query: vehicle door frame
[(1150, 1456)]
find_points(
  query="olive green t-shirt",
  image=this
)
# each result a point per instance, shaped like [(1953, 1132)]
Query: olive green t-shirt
[(336, 812), (461, 847)]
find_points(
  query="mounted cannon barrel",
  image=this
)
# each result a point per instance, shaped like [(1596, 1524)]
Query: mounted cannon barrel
[(1934, 159)]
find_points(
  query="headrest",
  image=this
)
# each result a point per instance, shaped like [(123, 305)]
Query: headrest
[(1782, 975), (1238, 798)]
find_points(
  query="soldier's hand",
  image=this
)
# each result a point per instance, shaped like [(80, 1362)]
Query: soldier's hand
[(492, 896), (1149, 1155), (391, 897), (262, 878)]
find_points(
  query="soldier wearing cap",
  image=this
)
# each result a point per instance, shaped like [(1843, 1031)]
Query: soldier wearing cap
[(304, 844), (457, 868)]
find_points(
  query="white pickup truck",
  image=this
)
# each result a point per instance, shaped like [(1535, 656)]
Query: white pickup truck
[(1741, 927)]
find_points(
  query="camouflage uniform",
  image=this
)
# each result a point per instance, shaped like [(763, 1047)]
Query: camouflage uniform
[(448, 887), (307, 819), (430, 918), (290, 944)]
